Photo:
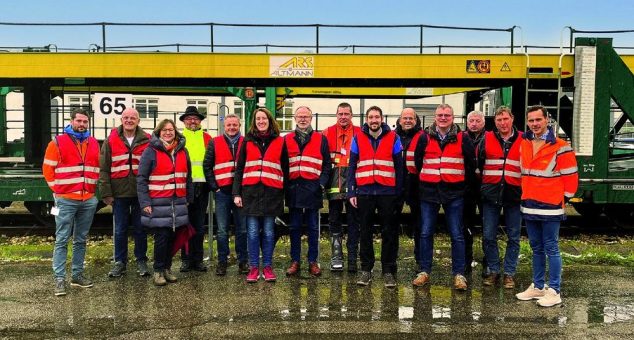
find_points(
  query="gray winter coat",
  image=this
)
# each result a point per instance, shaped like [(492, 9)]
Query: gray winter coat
[(167, 212)]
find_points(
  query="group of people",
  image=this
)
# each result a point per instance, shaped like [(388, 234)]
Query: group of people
[(160, 184)]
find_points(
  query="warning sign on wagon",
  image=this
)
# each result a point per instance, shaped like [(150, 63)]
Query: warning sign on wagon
[(478, 66)]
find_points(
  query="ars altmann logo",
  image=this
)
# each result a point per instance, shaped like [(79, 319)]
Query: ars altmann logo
[(292, 66)]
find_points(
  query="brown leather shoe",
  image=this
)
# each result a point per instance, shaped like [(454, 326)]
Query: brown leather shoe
[(460, 282), (293, 269), (509, 283), (490, 280), (313, 269)]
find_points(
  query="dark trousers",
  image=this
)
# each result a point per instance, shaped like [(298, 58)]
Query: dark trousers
[(471, 219), (197, 211), (335, 212), (163, 241), (413, 222), (389, 234)]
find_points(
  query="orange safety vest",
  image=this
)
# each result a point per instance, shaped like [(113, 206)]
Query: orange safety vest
[(265, 169), (122, 159), (169, 177), (410, 163), (376, 166), (336, 144), (445, 165), (305, 163), (548, 176), (225, 163), (496, 165), (74, 174)]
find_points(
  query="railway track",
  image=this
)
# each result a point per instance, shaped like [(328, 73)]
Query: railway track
[(21, 224)]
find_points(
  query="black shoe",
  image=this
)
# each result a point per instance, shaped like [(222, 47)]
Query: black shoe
[(364, 278), (199, 267), (221, 269), (81, 281), (243, 268), (142, 268), (185, 267), (118, 269)]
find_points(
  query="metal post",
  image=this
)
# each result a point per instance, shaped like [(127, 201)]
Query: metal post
[(317, 38), (421, 39), (512, 38), (571, 38), (211, 36), (103, 36), (210, 215)]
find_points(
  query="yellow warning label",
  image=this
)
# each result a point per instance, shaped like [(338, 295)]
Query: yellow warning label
[(505, 67), (471, 66)]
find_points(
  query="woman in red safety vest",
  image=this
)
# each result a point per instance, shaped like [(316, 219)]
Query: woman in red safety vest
[(164, 186), (258, 188)]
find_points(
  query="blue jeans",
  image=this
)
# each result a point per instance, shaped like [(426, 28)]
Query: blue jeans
[(225, 208), (127, 212), (74, 217), (264, 239), (543, 237), (310, 216), (453, 218), (490, 222)]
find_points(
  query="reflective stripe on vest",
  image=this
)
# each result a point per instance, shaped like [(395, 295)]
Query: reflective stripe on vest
[(196, 144), (307, 162), (445, 165), (121, 159), (169, 177), (74, 174), (410, 163), (265, 169), (224, 163), (335, 144), (496, 166), (376, 166)]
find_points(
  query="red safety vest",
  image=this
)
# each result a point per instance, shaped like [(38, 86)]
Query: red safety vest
[(169, 177), (335, 145), (410, 164), (122, 159), (72, 173), (496, 166), (376, 166), (266, 169), (225, 163), (306, 163), (445, 165)]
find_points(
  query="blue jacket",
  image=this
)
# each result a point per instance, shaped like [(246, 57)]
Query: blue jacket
[(375, 189), (167, 212)]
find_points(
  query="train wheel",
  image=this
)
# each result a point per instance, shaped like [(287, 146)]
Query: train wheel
[(589, 210), (42, 212), (622, 215)]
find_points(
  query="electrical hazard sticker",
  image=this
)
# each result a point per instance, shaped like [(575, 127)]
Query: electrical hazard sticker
[(478, 66)]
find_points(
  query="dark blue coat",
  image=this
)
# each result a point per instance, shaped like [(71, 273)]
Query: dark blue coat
[(303, 193), (167, 212)]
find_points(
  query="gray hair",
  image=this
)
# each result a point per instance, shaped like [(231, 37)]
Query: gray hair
[(475, 113)]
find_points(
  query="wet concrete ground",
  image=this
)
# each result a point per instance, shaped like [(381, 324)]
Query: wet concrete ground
[(598, 303)]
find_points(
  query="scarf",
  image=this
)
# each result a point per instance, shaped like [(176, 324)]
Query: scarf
[(169, 147), (302, 136), (80, 136), (233, 140)]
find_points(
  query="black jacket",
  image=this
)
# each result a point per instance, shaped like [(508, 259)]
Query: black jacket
[(501, 194), (259, 199), (443, 192), (210, 161), (410, 181), (303, 193)]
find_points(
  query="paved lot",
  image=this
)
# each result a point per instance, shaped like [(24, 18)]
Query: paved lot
[(598, 303)]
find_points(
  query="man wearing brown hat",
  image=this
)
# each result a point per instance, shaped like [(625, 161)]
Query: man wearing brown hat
[(196, 141)]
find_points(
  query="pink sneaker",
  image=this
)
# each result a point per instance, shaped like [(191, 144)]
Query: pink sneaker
[(269, 275), (254, 274)]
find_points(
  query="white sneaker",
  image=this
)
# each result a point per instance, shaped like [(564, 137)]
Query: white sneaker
[(531, 293), (550, 298)]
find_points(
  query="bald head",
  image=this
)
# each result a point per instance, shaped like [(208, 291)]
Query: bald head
[(130, 120), (407, 120)]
